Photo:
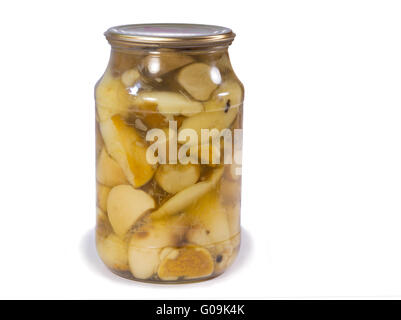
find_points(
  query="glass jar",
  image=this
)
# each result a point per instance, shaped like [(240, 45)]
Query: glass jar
[(168, 153)]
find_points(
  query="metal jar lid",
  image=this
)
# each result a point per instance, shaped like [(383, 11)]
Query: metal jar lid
[(169, 35)]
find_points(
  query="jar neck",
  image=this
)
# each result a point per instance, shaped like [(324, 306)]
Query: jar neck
[(161, 50)]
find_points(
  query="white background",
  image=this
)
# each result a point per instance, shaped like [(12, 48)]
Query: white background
[(322, 136)]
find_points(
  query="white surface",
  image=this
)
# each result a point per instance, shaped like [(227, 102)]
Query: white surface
[(322, 174)]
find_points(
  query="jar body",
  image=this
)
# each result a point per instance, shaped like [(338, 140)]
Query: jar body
[(168, 152)]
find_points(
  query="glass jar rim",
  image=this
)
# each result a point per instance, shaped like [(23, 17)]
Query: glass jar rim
[(169, 35)]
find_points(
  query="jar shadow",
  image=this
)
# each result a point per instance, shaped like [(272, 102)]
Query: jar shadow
[(88, 250)]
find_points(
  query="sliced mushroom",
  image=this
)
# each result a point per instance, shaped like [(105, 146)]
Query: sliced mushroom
[(149, 240), (125, 205), (189, 262), (108, 172), (227, 96), (111, 97), (175, 178), (170, 103), (126, 146), (114, 252), (209, 224), (188, 196), (198, 80), (210, 120), (143, 262)]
